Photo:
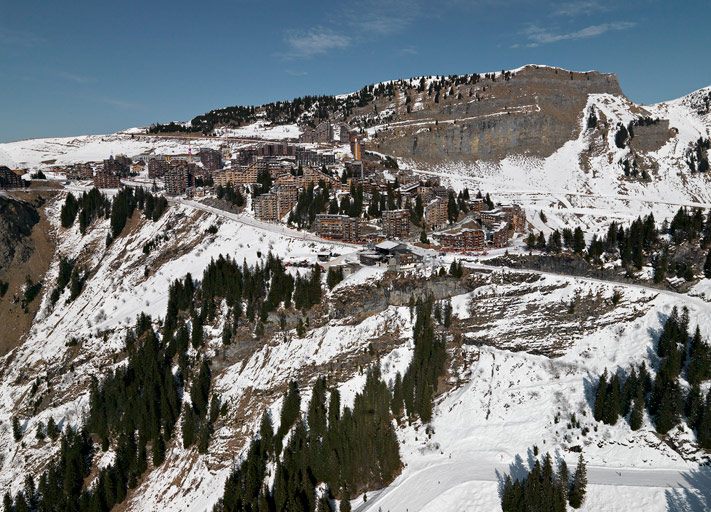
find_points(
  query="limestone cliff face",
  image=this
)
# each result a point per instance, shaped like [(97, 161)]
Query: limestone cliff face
[(534, 112)]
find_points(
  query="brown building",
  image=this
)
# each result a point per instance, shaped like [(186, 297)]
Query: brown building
[(436, 213), (515, 216), (310, 157), (103, 179), (308, 135), (274, 205), (157, 167), (276, 149), (244, 156), (137, 167), (396, 223), (357, 149), (338, 227), (240, 175), (490, 218), (120, 165), (466, 239), (500, 235), (9, 179), (287, 196), (266, 207), (79, 172), (211, 159), (324, 132), (177, 180), (477, 204)]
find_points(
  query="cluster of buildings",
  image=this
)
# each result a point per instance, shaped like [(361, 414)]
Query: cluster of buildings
[(396, 196), (327, 132), (484, 228)]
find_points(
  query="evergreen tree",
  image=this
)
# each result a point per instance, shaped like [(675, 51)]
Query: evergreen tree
[(158, 451), (16, 429), (579, 485), (637, 415), (598, 410), (397, 403), (52, 429), (703, 431), (611, 407), (189, 426), (578, 241), (707, 266)]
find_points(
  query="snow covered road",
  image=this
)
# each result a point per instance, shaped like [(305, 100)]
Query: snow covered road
[(425, 489), (266, 226)]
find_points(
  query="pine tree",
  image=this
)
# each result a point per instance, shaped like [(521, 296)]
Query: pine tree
[(423, 237), (637, 415), (579, 485), (703, 431), (52, 429), (227, 334), (158, 451), (611, 407), (693, 406), (578, 241), (668, 412), (345, 505), (266, 433), (563, 478), (16, 429), (599, 407), (397, 403)]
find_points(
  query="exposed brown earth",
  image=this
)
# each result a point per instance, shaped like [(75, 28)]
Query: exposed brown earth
[(28, 246)]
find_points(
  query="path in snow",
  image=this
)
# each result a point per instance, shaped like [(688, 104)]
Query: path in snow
[(265, 226), (416, 490)]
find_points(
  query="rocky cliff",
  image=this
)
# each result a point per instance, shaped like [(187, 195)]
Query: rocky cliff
[(531, 111)]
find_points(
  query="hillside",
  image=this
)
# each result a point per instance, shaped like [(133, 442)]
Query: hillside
[(197, 321)]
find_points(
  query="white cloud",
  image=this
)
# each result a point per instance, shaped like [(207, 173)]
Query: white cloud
[(19, 38), (79, 79), (381, 18), (580, 8), (315, 41), (538, 35)]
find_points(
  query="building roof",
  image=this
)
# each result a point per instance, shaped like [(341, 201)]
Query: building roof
[(388, 245)]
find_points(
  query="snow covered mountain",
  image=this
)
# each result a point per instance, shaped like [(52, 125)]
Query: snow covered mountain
[(521, 365)]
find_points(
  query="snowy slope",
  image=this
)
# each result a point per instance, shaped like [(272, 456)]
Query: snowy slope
[(508, 403), (40, 153), (582, 182), (501, 402)]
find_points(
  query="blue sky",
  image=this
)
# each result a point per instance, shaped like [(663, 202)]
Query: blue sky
[(79, 67)]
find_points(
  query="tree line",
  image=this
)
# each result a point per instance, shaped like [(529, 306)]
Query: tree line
[(643, 242), (93, 205), (664, 397), (344, 450), (545, 487)]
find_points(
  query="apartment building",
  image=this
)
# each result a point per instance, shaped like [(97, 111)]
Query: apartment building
[(338, 227), (396, 223)]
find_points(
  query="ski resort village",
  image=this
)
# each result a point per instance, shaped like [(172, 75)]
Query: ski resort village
[(474, 292)]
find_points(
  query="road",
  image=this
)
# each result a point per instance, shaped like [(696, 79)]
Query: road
[(265, 226), (415, 490)]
